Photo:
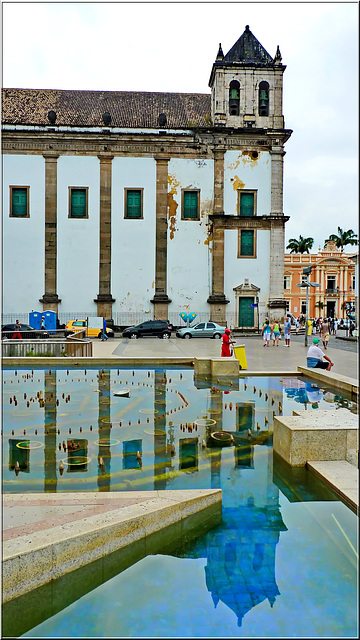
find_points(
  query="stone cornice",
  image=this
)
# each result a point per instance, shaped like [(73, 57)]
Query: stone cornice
[(253, 222), (202, 143)]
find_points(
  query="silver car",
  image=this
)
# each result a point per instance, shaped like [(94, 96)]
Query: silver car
[(201, 330)]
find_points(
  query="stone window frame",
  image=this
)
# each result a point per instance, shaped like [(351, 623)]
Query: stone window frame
[(262, 87), (86, 216), (141, 216), (18, 186), (239, 254), (198, 205), (243, 191)]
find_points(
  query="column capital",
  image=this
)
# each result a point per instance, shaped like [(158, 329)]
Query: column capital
[(105, 157), (50, 156)]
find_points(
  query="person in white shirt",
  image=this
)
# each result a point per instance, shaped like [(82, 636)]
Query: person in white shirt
[(314, 357)]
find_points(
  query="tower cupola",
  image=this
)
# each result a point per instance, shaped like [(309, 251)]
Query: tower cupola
[(247, 85)]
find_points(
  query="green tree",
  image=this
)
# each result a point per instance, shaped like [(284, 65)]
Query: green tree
[(303, 245), (342, 238)]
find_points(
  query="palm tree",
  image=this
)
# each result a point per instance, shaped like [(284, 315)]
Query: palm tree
[(343, 238), (300, 246)]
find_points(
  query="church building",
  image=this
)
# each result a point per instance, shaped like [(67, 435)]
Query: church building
[(139, 205)]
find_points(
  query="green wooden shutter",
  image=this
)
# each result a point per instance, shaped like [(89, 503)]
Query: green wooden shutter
[(246, 312), (247, 204), (190, 204), (247, 243), (19, 202), (133, 204), (78, 203)]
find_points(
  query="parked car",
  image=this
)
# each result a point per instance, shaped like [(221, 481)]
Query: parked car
[(26, 332), (94, 329), (159, 328), (201, 330)]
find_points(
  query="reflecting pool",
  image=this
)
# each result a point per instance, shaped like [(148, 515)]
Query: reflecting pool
[(283, 561)]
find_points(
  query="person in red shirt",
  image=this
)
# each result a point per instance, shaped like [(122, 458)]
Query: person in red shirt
[(17, 333), (226, 342)]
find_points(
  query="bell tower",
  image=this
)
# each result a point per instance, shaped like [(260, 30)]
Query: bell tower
[(247, 86)]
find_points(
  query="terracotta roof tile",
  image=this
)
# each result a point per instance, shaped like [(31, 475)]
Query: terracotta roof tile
[(85, 108)]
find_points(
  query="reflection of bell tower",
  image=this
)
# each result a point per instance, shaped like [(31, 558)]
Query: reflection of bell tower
[(104, 430), (50, 477), (247, 85)]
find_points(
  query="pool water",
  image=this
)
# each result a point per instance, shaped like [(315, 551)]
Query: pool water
[(283, 561)]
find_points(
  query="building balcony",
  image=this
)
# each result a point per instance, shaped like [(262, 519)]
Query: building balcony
[(332, 291)]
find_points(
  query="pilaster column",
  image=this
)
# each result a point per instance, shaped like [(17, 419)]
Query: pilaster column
[(277, 173), (50, 298), (104, 298), (217, 299), (161, 299), (277, 304)]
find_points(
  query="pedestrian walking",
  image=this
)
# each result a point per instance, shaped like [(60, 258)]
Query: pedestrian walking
[(266, 333), (287, 329), (17, 333), (276, 333), (225, 345), (42, 324), (325, 332), (314, 357), (335, 325), (104, 335), (297, 325)]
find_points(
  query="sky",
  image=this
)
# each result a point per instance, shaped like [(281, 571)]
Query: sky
[(171, 46)]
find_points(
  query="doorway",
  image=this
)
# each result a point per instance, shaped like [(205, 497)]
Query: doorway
[(330, 308), (246, 311)]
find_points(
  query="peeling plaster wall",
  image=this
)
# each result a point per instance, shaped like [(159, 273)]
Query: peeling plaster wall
[(24, 261), (133, 241), (255, 269), (189, 251), (77, 239), (242, 171)]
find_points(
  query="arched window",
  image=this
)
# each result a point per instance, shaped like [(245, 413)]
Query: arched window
[(263, 98), (234, 98)]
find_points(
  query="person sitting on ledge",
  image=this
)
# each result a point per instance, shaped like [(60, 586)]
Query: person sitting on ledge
[(314, 357)]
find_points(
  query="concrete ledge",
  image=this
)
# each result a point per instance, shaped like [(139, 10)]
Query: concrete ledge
[(215, 367), (36, 558), (341, 476), (315, 435), (94, 362), (337, 381)]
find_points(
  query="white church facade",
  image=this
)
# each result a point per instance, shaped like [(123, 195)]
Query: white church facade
[(141, 205)]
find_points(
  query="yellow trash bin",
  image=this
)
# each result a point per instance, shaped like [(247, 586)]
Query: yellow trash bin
[(239, 352)]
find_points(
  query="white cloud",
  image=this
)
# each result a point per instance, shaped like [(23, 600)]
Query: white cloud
[(168, 46)]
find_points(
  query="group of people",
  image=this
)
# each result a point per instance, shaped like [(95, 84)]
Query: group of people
[(273, 331), (17, 335)]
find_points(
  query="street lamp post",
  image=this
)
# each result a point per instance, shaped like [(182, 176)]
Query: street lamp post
[(307, 284)]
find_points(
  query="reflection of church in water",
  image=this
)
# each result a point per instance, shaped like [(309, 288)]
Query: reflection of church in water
[(240, 552)]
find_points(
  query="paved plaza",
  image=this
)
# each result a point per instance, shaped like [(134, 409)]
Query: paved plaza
[(343, 353)]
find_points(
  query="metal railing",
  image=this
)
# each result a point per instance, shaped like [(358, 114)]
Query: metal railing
[(71, 347)]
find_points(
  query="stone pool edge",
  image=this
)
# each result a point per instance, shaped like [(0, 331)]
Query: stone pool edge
[(34, 559)]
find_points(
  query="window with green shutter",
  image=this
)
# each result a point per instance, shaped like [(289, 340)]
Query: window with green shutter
[(133, 203), (247, 243), (78, 202), (190, 209), (247, 202), (19, 202)]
